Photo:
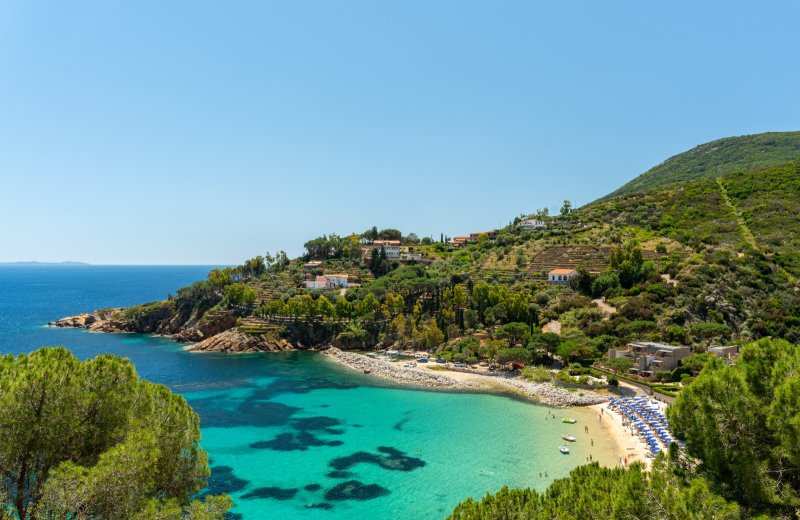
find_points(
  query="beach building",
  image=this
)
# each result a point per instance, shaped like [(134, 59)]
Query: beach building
[(729, 352), (650, 357), (561, 276), (532, 223)]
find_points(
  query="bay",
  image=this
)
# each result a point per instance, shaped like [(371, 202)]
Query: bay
[(295, 435)]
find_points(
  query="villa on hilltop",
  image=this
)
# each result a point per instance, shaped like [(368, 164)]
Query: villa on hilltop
[(463, 240), (394, 251), (391, 247), (533, 223)]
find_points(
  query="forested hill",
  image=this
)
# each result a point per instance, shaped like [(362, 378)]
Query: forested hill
[(717, 158)]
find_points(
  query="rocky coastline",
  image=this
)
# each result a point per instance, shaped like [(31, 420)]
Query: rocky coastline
[(229, 340), (543, 393), (106, 320), (233, 341)]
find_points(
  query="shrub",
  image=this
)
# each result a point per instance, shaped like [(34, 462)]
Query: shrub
[(537, 374)]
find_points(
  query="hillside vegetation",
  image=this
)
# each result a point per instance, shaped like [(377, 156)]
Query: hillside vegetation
[(717, 158), (714, 261)]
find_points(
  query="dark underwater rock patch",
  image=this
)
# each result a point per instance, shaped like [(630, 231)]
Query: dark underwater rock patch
[(295, 386), (355, 490), (233, 516), (320, 423), (248, 413), (271, 492), (222, 480), (312, 487), (340, 474), (399, 424), (300, 441), (321, 505), (265, 414), (391, 459)]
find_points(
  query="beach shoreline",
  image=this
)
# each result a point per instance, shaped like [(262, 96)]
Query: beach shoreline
[(615, 445), (629, 447), (424, 377)]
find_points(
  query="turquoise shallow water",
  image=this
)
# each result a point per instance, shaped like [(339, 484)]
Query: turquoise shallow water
[(296, 435)]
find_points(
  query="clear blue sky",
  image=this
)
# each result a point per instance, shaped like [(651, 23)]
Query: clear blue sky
[(208, 132)]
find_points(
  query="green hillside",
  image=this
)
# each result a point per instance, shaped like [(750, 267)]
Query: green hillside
[(708, 262), (717, 158)]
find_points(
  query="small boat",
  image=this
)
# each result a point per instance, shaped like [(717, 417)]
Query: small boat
[(569, 438), (563, 449), (569, 420)]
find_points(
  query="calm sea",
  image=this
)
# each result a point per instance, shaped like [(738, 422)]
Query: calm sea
[(294, 435)]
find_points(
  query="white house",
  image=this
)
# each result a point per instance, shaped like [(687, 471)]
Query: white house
[(329, 281), (410, 257), (337, 281), (561, 276), (320, 282), (533, 223), (392, 247)]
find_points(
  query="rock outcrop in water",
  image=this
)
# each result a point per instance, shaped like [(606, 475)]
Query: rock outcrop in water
[(217, 335), (106, 320), (233, 341)]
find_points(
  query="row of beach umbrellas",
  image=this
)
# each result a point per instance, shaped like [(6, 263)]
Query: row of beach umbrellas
[(646, 418)]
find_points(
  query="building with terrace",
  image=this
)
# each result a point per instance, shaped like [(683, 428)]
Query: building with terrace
[(650, 357)]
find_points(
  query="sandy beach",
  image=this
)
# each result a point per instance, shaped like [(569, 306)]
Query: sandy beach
[(626, 445)]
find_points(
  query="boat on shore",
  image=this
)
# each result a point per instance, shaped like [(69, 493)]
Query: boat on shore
[(569, 420), (563, 449), (569, 438)]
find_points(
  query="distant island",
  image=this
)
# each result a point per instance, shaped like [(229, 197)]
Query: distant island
[(35, 263)]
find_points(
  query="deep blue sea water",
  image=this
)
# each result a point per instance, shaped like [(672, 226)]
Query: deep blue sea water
[(296, 435)]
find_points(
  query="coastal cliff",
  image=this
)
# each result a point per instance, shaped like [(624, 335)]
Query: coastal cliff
[(218, 333)]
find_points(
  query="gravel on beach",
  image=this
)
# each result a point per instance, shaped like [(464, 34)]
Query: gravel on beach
[(545, 393)]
